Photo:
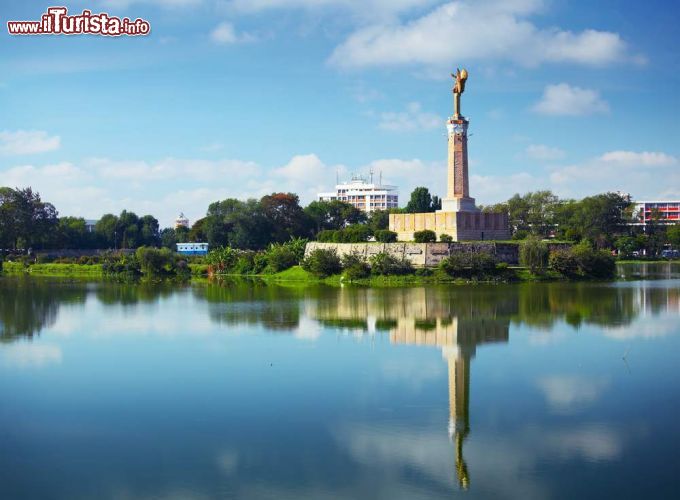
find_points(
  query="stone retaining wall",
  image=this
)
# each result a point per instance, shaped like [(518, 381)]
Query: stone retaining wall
[(428, 254)]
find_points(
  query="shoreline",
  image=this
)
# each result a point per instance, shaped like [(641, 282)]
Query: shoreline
[(297, 275)]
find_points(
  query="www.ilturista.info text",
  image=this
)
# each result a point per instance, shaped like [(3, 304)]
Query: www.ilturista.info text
[(56, 21)]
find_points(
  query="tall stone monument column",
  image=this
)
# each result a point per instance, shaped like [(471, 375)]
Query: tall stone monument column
[(458, 181), (459, 217)]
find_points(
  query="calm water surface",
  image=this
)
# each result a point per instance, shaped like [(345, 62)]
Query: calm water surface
[(264, 391)]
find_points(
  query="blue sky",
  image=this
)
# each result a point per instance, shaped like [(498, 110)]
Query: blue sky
[(240, 98)]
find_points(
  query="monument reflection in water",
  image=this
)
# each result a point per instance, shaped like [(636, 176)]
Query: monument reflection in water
[(425, 316)]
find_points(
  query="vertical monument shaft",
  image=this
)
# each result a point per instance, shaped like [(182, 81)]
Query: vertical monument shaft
[(458, 185)]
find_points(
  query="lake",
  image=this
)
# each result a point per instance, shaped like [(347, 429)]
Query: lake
[(252, 390)]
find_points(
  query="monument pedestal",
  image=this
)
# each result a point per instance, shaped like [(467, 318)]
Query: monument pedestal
[(460, 225), (459, 205)]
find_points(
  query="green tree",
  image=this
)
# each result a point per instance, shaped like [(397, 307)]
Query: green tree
[(149, 231), (420, 202), (106, 229), (335, 214), (379, 219), (168, 237), (286, 217), (26, 220), (533, 253), (673, 235)]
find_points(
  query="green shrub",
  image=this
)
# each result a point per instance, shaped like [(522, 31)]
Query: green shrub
[(584, 261), (322, 263), (281, 256), (355, 266), (356, 233), (469, 265), (520, 234), (424, 236), (222, 259), (326, 236), (122, 265), (158, 262), (244, 263), (564, 262), (385, 236), (594, 263), (383, 264), (424, 271), (533, 253), (445, 238)]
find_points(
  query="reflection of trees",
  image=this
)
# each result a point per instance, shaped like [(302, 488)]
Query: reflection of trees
[(113, 293), (28, 305), (254, 302)]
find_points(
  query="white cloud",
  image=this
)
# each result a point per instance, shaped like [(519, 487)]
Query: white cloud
[(567, 393), (225, 34), (565, 100), (542, 152), (626, 171), (413, 118), (645, 158), (465, 30), (26, 142), (366, 9)]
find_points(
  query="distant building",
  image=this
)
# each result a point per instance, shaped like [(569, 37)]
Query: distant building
[(181, 221), (90, 224), (669, 212), (192, 248), (364, 195)]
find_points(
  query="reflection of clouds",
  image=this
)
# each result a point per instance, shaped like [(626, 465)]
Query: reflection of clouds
[(594, 443), (566, 393), (25, 354), (497, 459), (175, 321), (308, 329), (645, 328), (412, 372)]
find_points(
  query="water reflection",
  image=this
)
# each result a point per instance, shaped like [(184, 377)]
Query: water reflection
[(214, 374), (27, 306), (455, 322)]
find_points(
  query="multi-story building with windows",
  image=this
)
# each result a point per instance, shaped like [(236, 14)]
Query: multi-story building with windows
[(364, 194), (645, 211)]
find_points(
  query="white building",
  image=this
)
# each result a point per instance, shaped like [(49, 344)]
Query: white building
[(668, 211), (364, 195)]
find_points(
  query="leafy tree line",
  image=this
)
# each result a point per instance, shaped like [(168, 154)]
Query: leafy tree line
[(603, 220), (28, 222)]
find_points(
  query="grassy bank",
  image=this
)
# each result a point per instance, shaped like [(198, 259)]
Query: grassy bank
[(75, 270), (299, 275), (59, 270)]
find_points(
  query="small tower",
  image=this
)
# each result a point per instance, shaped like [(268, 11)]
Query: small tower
[(181, 221)]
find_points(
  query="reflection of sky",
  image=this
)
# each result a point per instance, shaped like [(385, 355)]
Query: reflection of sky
[(164, 399)]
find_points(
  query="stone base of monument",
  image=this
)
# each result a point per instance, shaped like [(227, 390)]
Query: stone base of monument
[(459, 205), (460, 225)]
